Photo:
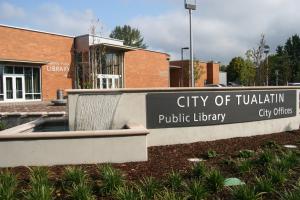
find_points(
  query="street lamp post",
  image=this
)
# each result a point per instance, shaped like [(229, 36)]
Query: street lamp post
[(182, 66), (276, 74), (266, 51), (191, 5)]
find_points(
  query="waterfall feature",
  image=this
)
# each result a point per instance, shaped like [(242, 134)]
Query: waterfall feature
[(95, 112)]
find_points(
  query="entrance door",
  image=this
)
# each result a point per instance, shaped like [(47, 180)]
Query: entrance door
[(13, 87), (108, 81)]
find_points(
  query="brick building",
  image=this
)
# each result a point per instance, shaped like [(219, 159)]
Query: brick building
[(35, 64), (204, 73)]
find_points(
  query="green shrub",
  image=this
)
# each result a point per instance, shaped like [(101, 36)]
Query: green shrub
[(74, 176), (148, 187), (199, 170), (174, 181), (111, 179), (195, 190), (263, 184), (271, 144), (8, 186), (211, 154), (291, 195), (2, 125), (81, 192), (215, 181), (277, 176), (246, 153), (288, 160), (168, 195), (266, 157), (245, 192), (245, 165), (126, 193), (229, 161), (40, 187)]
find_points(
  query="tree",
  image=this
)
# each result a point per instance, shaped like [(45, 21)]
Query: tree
[(292, 53), (286, 61), (241, 71), (280, 64), (131, 36), (256, 56)]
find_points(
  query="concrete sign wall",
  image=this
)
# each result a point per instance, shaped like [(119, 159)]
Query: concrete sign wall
[(220, 112), (168, 110)]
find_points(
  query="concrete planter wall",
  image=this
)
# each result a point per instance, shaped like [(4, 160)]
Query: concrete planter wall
[(64, 148), (131, 108)]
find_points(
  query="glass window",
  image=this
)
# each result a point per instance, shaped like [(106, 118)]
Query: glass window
[(1, 98), (36, 80), (9, 70), (9, 87), (37, 96), (29, 96), (28, 80), (19, 70), (19, 87)]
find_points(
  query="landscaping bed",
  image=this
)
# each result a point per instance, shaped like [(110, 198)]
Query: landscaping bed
[(268, 169)]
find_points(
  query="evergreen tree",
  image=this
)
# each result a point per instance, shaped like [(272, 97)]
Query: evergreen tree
[(131, 36)]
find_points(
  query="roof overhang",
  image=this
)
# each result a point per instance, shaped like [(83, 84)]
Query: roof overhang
[(34, 62), (175, 67), (116, 47)]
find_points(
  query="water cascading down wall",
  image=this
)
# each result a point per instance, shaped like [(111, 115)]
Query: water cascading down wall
[(175, 116)]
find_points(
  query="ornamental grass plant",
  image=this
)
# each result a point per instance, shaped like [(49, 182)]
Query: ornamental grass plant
[(8, 186), (148, 187), (39, 185), (174, 181), (111, 179)]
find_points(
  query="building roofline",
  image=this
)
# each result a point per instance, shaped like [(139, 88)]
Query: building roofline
[(136, 48), (69, 36), (24, 61), (197, 60), (99, 37), (37, 31)]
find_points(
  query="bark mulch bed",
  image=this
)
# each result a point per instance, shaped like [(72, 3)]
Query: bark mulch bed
[(164, 159)]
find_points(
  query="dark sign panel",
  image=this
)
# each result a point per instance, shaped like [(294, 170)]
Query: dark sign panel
[(167, 110)]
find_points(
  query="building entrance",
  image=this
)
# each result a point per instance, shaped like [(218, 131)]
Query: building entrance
[(14, 87), (108, 81)]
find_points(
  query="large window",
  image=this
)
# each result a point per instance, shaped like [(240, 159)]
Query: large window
[(14, 79), (32, 83), (111, 73)]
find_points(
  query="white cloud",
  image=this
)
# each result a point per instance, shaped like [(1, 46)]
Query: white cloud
[(222, 29), (53, 18), (10, 11), (50, 17)]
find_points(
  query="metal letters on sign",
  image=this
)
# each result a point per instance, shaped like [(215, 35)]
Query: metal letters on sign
[(182, 109)]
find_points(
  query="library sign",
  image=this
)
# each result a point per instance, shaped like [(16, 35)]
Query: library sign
[(186, 109)]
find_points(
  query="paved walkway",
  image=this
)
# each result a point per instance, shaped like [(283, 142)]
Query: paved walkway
[(31, 107)]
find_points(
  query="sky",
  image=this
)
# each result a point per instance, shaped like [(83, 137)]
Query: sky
[(222, 29)]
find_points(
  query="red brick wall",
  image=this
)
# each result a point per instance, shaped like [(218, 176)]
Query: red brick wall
[(176, 74), (213, 73), (18, 44), (206, 72), (146, 69)]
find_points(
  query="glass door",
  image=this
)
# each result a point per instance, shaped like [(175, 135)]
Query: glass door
[(108, 81), (8, 89), (13, 87)]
